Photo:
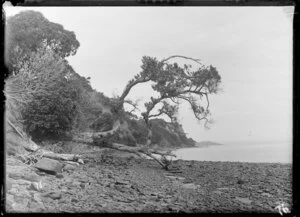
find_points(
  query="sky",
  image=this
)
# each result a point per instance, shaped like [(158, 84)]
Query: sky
[(251, 47)]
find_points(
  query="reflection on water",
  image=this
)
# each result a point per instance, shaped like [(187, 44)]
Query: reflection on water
[(242, 152)]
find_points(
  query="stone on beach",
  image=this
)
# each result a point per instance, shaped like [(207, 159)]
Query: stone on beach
[(52, 195), (33, 177), (190, 186), (49, 166), (8, 185), (244, 200), (69, 167)]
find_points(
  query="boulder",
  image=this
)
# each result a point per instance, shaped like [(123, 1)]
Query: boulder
[(50, 166)]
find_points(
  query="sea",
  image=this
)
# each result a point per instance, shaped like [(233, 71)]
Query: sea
[(240, 151)]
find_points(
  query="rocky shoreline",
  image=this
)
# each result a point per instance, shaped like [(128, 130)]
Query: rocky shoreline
[(113, 182)]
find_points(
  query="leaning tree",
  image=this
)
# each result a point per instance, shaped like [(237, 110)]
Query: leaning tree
[(174, 85)]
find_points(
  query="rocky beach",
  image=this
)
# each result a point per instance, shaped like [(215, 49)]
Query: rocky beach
[(112, 182)]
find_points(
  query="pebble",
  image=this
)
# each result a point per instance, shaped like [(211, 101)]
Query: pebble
[(80, 161)]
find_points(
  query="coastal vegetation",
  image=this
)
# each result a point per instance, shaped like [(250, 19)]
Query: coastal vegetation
[(55, 102)]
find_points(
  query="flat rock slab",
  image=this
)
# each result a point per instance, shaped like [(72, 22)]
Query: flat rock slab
[(180, 178), (267, 194), (8, 185), (244, 200), (171, 177), (190, 186), (33, 177), (52, 195), (224, 188), (176, 178), (15, 175), (49, 166)]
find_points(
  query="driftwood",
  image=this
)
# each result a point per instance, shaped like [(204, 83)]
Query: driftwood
[(140, 151), (64, 157), (33, 147), (72, 163)]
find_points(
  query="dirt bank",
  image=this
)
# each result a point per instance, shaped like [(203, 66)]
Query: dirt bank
[(117, 182)]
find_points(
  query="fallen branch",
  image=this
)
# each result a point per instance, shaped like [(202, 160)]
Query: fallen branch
[(140, 151), (33, 147), (15, 128), (71, 163), (64, 157)]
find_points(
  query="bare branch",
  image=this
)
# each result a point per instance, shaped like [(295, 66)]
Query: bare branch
[(131, 85), (180, 56), (133, 104)]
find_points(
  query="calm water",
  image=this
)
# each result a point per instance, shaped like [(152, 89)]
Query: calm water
[(280, 152)]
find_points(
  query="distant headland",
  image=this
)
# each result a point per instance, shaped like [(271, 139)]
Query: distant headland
[(204, 144)]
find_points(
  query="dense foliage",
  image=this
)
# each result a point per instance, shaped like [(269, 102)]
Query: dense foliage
[(27, 31), (103, 123), (44, 85)]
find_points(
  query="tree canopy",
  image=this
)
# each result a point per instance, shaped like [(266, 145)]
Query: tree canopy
[(42, 85), (175, 83), (30, 30)]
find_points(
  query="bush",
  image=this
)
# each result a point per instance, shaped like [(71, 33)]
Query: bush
[(50, 106)]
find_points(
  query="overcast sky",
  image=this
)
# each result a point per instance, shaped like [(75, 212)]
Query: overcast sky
[(250, 46)]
